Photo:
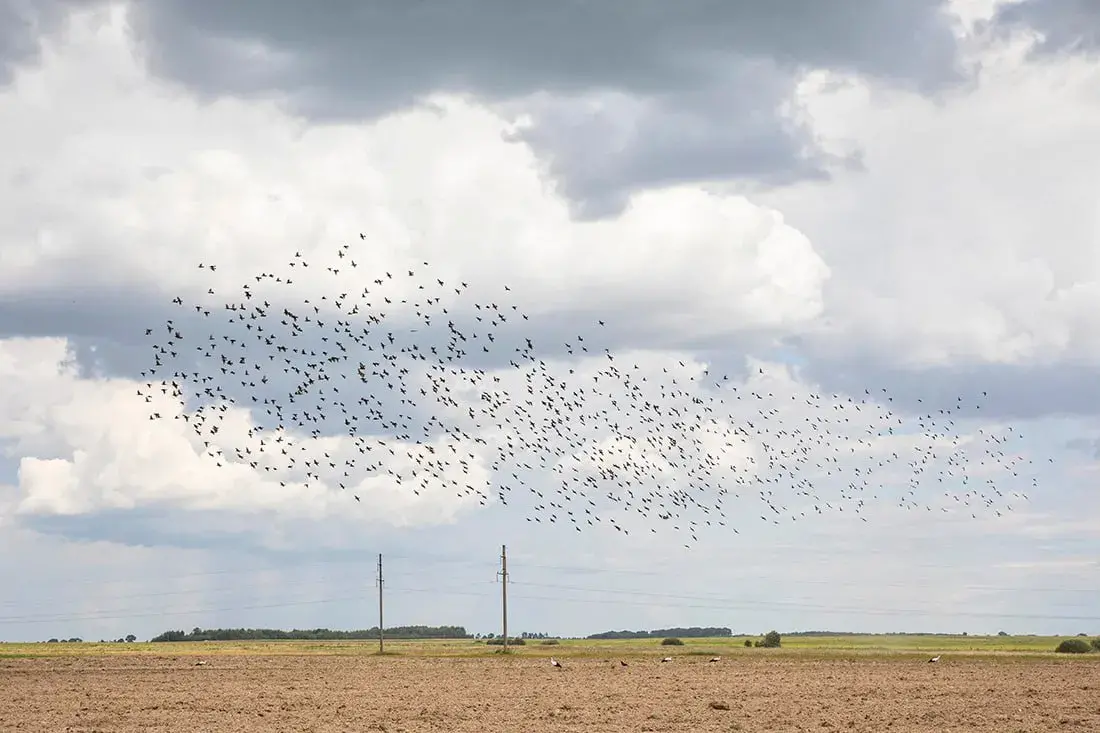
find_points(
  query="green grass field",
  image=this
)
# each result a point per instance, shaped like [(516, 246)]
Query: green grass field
[(1007, 647)]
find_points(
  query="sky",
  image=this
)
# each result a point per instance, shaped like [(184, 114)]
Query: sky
[(892, 205)]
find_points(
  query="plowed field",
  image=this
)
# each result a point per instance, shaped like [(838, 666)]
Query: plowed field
[(144, 692)]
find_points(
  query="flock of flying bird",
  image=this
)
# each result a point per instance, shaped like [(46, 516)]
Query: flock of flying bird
[(404, 378)]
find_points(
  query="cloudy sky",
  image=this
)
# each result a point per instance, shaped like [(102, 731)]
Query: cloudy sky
[(820, 200)]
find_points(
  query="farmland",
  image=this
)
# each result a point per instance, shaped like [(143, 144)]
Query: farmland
[(868, 683)]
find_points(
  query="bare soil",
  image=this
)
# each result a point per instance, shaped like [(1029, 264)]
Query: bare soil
[(362, 693)]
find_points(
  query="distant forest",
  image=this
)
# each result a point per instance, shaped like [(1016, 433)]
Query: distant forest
[(693, 632), (397, 632), (696, 632), (878, 633)]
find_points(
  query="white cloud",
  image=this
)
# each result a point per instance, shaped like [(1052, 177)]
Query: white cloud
[(973, 234), (153, 181), (104, 452), (943, 250)]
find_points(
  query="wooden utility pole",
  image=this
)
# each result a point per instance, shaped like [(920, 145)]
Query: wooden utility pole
[(381, 635), (504, 592)]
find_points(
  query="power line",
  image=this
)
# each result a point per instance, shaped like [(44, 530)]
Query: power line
[(122, 613), (161, 612), (638, 598), (641, 597), (709, 597), (778, 605), (430, 559), (350, 579), (421, 559)]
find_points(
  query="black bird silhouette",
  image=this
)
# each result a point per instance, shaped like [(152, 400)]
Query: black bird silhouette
[(432, 385)]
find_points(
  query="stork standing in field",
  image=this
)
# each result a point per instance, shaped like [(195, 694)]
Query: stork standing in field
[(555, 663), (934, 659)]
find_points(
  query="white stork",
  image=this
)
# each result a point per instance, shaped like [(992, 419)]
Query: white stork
[(555, 663), (934, 659)]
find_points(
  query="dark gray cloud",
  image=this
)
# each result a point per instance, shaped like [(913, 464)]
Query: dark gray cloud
[(106, 332), (234, 533), (1088, 446), (395, 50), (22, 25), (1013, 392), (1066, 25), (94, 310), (704, 80), (148, 526), (599, 157)]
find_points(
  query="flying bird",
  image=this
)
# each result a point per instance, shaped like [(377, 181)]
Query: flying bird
[(349, 379)]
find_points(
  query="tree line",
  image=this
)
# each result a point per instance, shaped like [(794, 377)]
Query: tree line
[(692, 632), (396, 632)]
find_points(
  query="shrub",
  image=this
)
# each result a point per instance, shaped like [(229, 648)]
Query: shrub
[(549, 642), (1074, 646), (499, 641), (748, 642), (771, 640), (672, 641), (1096, 643)]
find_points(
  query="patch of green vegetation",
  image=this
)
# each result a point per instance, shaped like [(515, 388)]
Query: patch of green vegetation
[(793, 647), (1074, 646)]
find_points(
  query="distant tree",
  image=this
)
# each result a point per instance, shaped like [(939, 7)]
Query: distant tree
[(499, 641), (748, 642), (1002, 633), (397, 632), (771, 640), (131, 638), (691, 632), (52, 641), (1074, 646)]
